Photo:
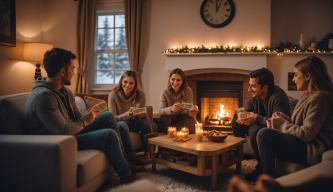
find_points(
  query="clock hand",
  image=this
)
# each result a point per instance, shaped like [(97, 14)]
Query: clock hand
[(217, 5)]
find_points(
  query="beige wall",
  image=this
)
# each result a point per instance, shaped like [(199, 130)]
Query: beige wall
[(36, 21), (290, 18), (281, 65), (178, 22), (172, 23)]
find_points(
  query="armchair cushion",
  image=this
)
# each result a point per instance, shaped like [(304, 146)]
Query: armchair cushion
[(322, 170), (328, 155), (37, 163), (91, 163), (11, 113)]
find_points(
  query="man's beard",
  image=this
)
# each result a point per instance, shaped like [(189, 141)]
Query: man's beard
[(65, 81)]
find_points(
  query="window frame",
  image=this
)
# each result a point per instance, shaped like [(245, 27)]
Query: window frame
[(107, 86)]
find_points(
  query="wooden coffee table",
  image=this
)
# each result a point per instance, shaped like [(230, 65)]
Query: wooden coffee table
[(217, 153)]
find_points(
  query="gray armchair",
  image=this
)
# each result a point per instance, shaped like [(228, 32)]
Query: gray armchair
[(45, 163)]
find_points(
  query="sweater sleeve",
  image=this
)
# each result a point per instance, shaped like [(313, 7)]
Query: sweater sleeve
[(142, 99), (87, 118), (250, 105), (250, 108), (188, 98), (165, 109), (113, 108), (47, 110), (316, 112), (278, 103), (73, 104)]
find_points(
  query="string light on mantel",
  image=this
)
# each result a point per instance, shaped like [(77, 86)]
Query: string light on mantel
[(237, 49)]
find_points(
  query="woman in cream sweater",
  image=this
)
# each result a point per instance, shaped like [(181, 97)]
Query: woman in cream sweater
[(172, 113), (309, 132), (124, 99)]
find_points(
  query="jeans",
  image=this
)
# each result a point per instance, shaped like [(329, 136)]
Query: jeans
[(253, 131), (239, 129), (178, 121), (111, 137), (274, 145), (126, 143), (141, 126)]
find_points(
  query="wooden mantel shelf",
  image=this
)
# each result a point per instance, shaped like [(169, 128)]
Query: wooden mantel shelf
[(248, 54)]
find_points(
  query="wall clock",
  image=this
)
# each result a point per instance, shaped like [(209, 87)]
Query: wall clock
[(217, 13)]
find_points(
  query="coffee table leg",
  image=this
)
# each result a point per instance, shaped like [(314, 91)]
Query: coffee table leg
[(239, 167), (153, 157), (240, 158), (215, 163)]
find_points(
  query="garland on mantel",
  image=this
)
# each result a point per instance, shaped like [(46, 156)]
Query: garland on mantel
[(254, 49)]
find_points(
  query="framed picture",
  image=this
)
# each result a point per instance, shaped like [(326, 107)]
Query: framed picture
[(291, 84), (7, 23)]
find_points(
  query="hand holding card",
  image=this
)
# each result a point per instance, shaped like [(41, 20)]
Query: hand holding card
[(101, 107), (98, 108), (141, 110), (188, 106)]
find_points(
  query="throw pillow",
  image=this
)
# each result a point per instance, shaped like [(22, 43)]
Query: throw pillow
[(91, 101)]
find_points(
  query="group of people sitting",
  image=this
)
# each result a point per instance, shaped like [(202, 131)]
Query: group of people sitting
[(301, 137), (51, 109)]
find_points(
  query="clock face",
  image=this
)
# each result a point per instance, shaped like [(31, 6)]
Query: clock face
[(217, 13)]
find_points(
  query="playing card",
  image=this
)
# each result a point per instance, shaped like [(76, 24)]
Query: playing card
[(187, 105), (139, 110), (101, 107)]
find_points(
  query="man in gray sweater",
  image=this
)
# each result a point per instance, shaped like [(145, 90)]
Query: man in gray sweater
[(266, 99), (51, 109)]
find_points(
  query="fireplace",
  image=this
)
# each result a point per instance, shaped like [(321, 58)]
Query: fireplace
[(217, 101), (218, 96)]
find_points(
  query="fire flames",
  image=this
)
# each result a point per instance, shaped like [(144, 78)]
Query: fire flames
[(221, 113), (221, 117)]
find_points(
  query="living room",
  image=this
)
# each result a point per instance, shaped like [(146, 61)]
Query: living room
[(169, 24)]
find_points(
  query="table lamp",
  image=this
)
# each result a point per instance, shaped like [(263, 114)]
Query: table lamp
[(34, 53)]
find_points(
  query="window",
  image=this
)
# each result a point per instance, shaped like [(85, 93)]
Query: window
[(110, 48)]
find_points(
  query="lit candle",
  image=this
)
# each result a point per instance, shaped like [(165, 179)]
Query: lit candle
[(199, 134), (172, 132), (198, 125), (185, 130), (180, 135)]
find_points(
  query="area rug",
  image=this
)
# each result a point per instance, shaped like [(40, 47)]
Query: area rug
[(171, 180)]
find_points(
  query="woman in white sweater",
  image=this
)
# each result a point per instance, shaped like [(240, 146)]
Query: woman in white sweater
[(172, 111), (124, 99), (309, 132)]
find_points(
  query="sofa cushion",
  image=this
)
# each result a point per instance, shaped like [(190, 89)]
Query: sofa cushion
[(287, 167), (327, 155), (322, 170), (91, 163), (12, 113)]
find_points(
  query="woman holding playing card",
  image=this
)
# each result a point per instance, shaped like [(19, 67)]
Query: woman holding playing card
[(127, 103), (176, 104)]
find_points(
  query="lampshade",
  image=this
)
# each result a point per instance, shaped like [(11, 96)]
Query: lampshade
[(34, 52)]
